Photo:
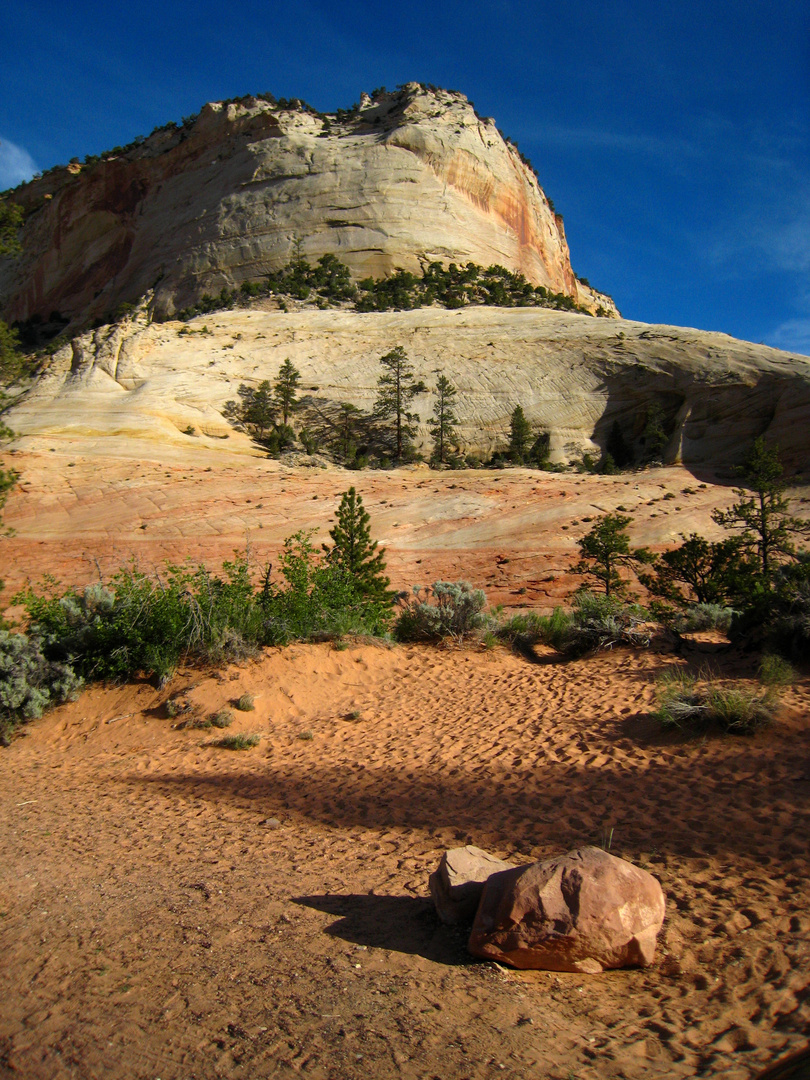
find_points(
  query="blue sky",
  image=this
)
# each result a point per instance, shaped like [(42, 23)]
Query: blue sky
[(674, 139)]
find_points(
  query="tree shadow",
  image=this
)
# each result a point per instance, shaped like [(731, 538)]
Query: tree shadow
[(404, 924), (688, 796)]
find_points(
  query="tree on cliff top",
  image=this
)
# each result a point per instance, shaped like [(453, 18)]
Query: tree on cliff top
[(11, 219)]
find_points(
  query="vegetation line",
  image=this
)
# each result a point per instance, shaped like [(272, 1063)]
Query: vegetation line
[(756, 583)]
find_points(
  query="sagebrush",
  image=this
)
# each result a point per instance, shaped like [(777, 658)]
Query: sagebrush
[(450, 609)]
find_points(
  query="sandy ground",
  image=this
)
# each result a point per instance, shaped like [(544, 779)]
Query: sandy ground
[(172, 909)]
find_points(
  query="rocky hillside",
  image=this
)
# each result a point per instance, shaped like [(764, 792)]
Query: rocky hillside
[(402, 179), (573, 375)]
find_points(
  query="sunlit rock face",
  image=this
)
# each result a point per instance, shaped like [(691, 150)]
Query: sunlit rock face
[(409, 177), (575, 377)]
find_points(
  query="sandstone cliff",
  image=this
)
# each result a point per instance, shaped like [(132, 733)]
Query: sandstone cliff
[(573, 375), (410, 177)]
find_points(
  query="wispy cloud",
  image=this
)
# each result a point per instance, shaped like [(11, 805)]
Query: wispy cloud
[(791, 244), (589, 138), (16, 165), (773, 228), (793, 336)]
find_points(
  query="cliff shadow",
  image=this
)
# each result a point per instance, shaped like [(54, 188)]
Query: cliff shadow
[(670, 415)]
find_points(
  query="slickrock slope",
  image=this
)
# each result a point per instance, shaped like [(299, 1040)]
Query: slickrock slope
[(572, 374), (412, 176)]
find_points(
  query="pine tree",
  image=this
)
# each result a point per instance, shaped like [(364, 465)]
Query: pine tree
[(443, 428), (349, 415), (605, 549), (617, 447), (520, 432), (354, 552), (397, 388), (762, 514), (284, 389), (655, 435), (254, 409)]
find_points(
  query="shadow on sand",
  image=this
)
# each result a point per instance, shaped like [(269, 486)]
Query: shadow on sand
[(404, 924)]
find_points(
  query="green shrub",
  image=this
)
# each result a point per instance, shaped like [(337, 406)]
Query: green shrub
[(695, 704), (245, 703), (141, 623), (320, 600), (595, 622), (532, 629), (705, 617), (602, 621), (30, 681), (237, 741), (456, 612), (221, 719), (774, 671)]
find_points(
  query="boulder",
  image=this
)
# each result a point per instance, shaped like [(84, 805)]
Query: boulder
[(584, 911), (458, 881)]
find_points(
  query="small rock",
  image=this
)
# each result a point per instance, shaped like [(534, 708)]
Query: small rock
[(585, 911), (458, 881)]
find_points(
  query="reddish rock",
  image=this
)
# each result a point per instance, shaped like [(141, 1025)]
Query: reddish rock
[(584, 911), (458, 881)]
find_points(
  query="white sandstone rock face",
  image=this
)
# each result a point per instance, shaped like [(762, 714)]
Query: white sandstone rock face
[(414, 176), (572, 374)]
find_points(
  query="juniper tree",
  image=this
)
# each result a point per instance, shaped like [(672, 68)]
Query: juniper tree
[(354, 552), (285, 389), (605, 549), (443, 427), (397, 389), (710, 572)]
